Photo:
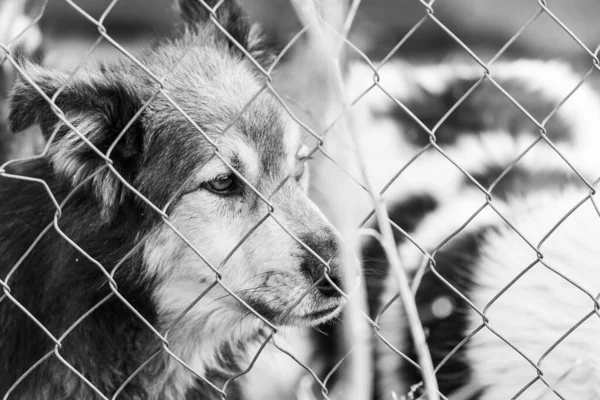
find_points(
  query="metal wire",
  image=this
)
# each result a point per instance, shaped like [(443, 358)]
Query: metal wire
[(269, 331)]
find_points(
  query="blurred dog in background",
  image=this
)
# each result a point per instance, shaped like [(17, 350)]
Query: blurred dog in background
[(471, 282)]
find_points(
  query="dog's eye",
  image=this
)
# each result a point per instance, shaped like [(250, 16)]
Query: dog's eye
[(222, 184), (301, 167)]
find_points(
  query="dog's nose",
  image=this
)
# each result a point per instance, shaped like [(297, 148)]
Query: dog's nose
[(314, 269), (316, 272), (326, 288)]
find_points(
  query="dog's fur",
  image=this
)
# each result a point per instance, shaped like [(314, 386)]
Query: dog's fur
[(432, 199), (164, 157)]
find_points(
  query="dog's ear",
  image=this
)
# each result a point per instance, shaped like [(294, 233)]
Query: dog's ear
[(97, 107), (233, 19)]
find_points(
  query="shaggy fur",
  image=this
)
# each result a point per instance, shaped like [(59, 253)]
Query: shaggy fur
[(433, 199), (164, 157)]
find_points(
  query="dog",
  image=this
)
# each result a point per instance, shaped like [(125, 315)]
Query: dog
[(507, 299), (182, 213)]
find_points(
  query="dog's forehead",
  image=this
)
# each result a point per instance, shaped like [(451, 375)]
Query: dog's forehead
[(224, 95), (264, 143), (270, 133)]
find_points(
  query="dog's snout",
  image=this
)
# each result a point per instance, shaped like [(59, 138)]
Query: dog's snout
[(325, 286), (316, 273), (327, 248)]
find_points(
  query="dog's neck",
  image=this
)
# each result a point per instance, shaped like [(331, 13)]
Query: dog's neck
[(206, 344), (139, 365)]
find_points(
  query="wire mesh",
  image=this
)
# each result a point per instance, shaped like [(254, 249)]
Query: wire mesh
[(321, 133)]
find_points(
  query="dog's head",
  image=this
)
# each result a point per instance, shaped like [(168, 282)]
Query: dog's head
[(213, 149)]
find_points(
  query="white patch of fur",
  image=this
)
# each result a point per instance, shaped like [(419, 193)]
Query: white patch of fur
[(382, 144), (498, 148), (434, 175), (534, 313), (475, 153), (386, 150), (66, 152), (541, 307), (454, 214), (276, 375), (555, 80), (552, 80), (396, 77), (424, 176), (248, 156)]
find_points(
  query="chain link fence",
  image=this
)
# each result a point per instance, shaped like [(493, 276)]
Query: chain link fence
[(327, 116)]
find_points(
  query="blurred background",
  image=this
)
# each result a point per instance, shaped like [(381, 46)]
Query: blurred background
[(484, 25)]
